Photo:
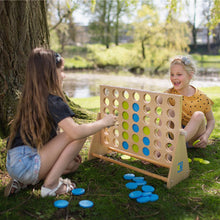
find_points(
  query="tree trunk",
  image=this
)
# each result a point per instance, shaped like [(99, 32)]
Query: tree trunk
[(23, 26)]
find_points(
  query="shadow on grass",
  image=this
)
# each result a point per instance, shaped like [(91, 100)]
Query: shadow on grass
[(195, 197)]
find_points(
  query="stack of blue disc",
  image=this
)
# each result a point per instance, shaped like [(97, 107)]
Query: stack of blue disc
[(146, 195)]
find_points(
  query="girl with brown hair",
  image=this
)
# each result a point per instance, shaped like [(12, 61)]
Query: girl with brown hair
[(35, 150)]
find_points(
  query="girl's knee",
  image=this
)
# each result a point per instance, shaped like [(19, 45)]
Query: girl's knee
[(198, 116)]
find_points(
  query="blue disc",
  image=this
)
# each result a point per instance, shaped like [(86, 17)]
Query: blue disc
[(125, 145), (135, 128), (146, 193), (61, 203), (78, 191), (135, 117), (154, 197), (148, 188), (131, 185), (86, 203), (129, 176), (138, 179), (143, 199), (146, 141), (142, 183), (135, 194), (135, 107), (146, 151)]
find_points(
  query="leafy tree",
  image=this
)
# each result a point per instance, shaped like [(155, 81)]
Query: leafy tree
[(158, 40), (23, 27)]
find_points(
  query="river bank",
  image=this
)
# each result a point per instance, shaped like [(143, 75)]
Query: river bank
[(82, 85)]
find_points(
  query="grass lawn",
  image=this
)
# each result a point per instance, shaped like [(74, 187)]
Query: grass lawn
[(197, 197)]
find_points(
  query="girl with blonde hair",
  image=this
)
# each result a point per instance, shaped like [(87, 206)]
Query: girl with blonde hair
[(197, 116)]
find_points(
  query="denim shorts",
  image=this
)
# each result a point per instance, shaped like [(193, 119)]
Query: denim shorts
[(23, 164)]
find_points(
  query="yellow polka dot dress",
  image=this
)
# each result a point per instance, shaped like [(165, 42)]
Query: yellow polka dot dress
[(198, 102)]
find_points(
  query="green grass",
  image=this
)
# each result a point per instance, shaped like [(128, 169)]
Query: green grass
[(197, 197)]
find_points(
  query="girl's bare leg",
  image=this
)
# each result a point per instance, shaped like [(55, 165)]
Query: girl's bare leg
[(56, 156), (195, 127)]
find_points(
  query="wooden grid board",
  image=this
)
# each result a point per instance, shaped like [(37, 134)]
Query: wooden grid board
[(147, 128)]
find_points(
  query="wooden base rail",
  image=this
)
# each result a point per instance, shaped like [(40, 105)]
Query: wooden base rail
[(165, 179)]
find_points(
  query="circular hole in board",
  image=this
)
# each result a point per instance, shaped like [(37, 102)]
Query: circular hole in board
[(146, 109), (106, 91), (169, 147), (106, 101), (158, 110), (170, 113), (170, 124), (116, 103), (106, 139), (116, 142), (158, 122), (157, 143), (125, 94), (106, 110), (157, 154), (146, 119), (171, 101), (116, 132), (170, 135), (159, 99), (136, 96), (147, 98), (168, 157), (115, 112), (115, 93)]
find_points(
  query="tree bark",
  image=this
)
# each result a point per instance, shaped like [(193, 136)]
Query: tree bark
[(23, 26)]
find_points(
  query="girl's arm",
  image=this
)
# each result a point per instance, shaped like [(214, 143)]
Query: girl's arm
[(76, 131)]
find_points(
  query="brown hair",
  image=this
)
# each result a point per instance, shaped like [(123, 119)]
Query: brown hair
[(32, 117)]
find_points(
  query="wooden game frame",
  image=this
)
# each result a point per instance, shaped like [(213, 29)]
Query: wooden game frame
[(160, 140)]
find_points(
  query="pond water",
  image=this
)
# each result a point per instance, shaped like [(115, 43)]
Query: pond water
[(83, 85)]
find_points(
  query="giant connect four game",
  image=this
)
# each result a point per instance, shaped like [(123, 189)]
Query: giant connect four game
[(148, 128)]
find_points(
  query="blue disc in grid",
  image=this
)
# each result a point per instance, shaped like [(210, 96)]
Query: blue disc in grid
[(146, 151), (135, 117), (146, 141), (125, 145), (135, 107), (135, 128)]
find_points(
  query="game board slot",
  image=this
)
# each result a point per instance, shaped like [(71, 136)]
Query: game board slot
[(165, 179)]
